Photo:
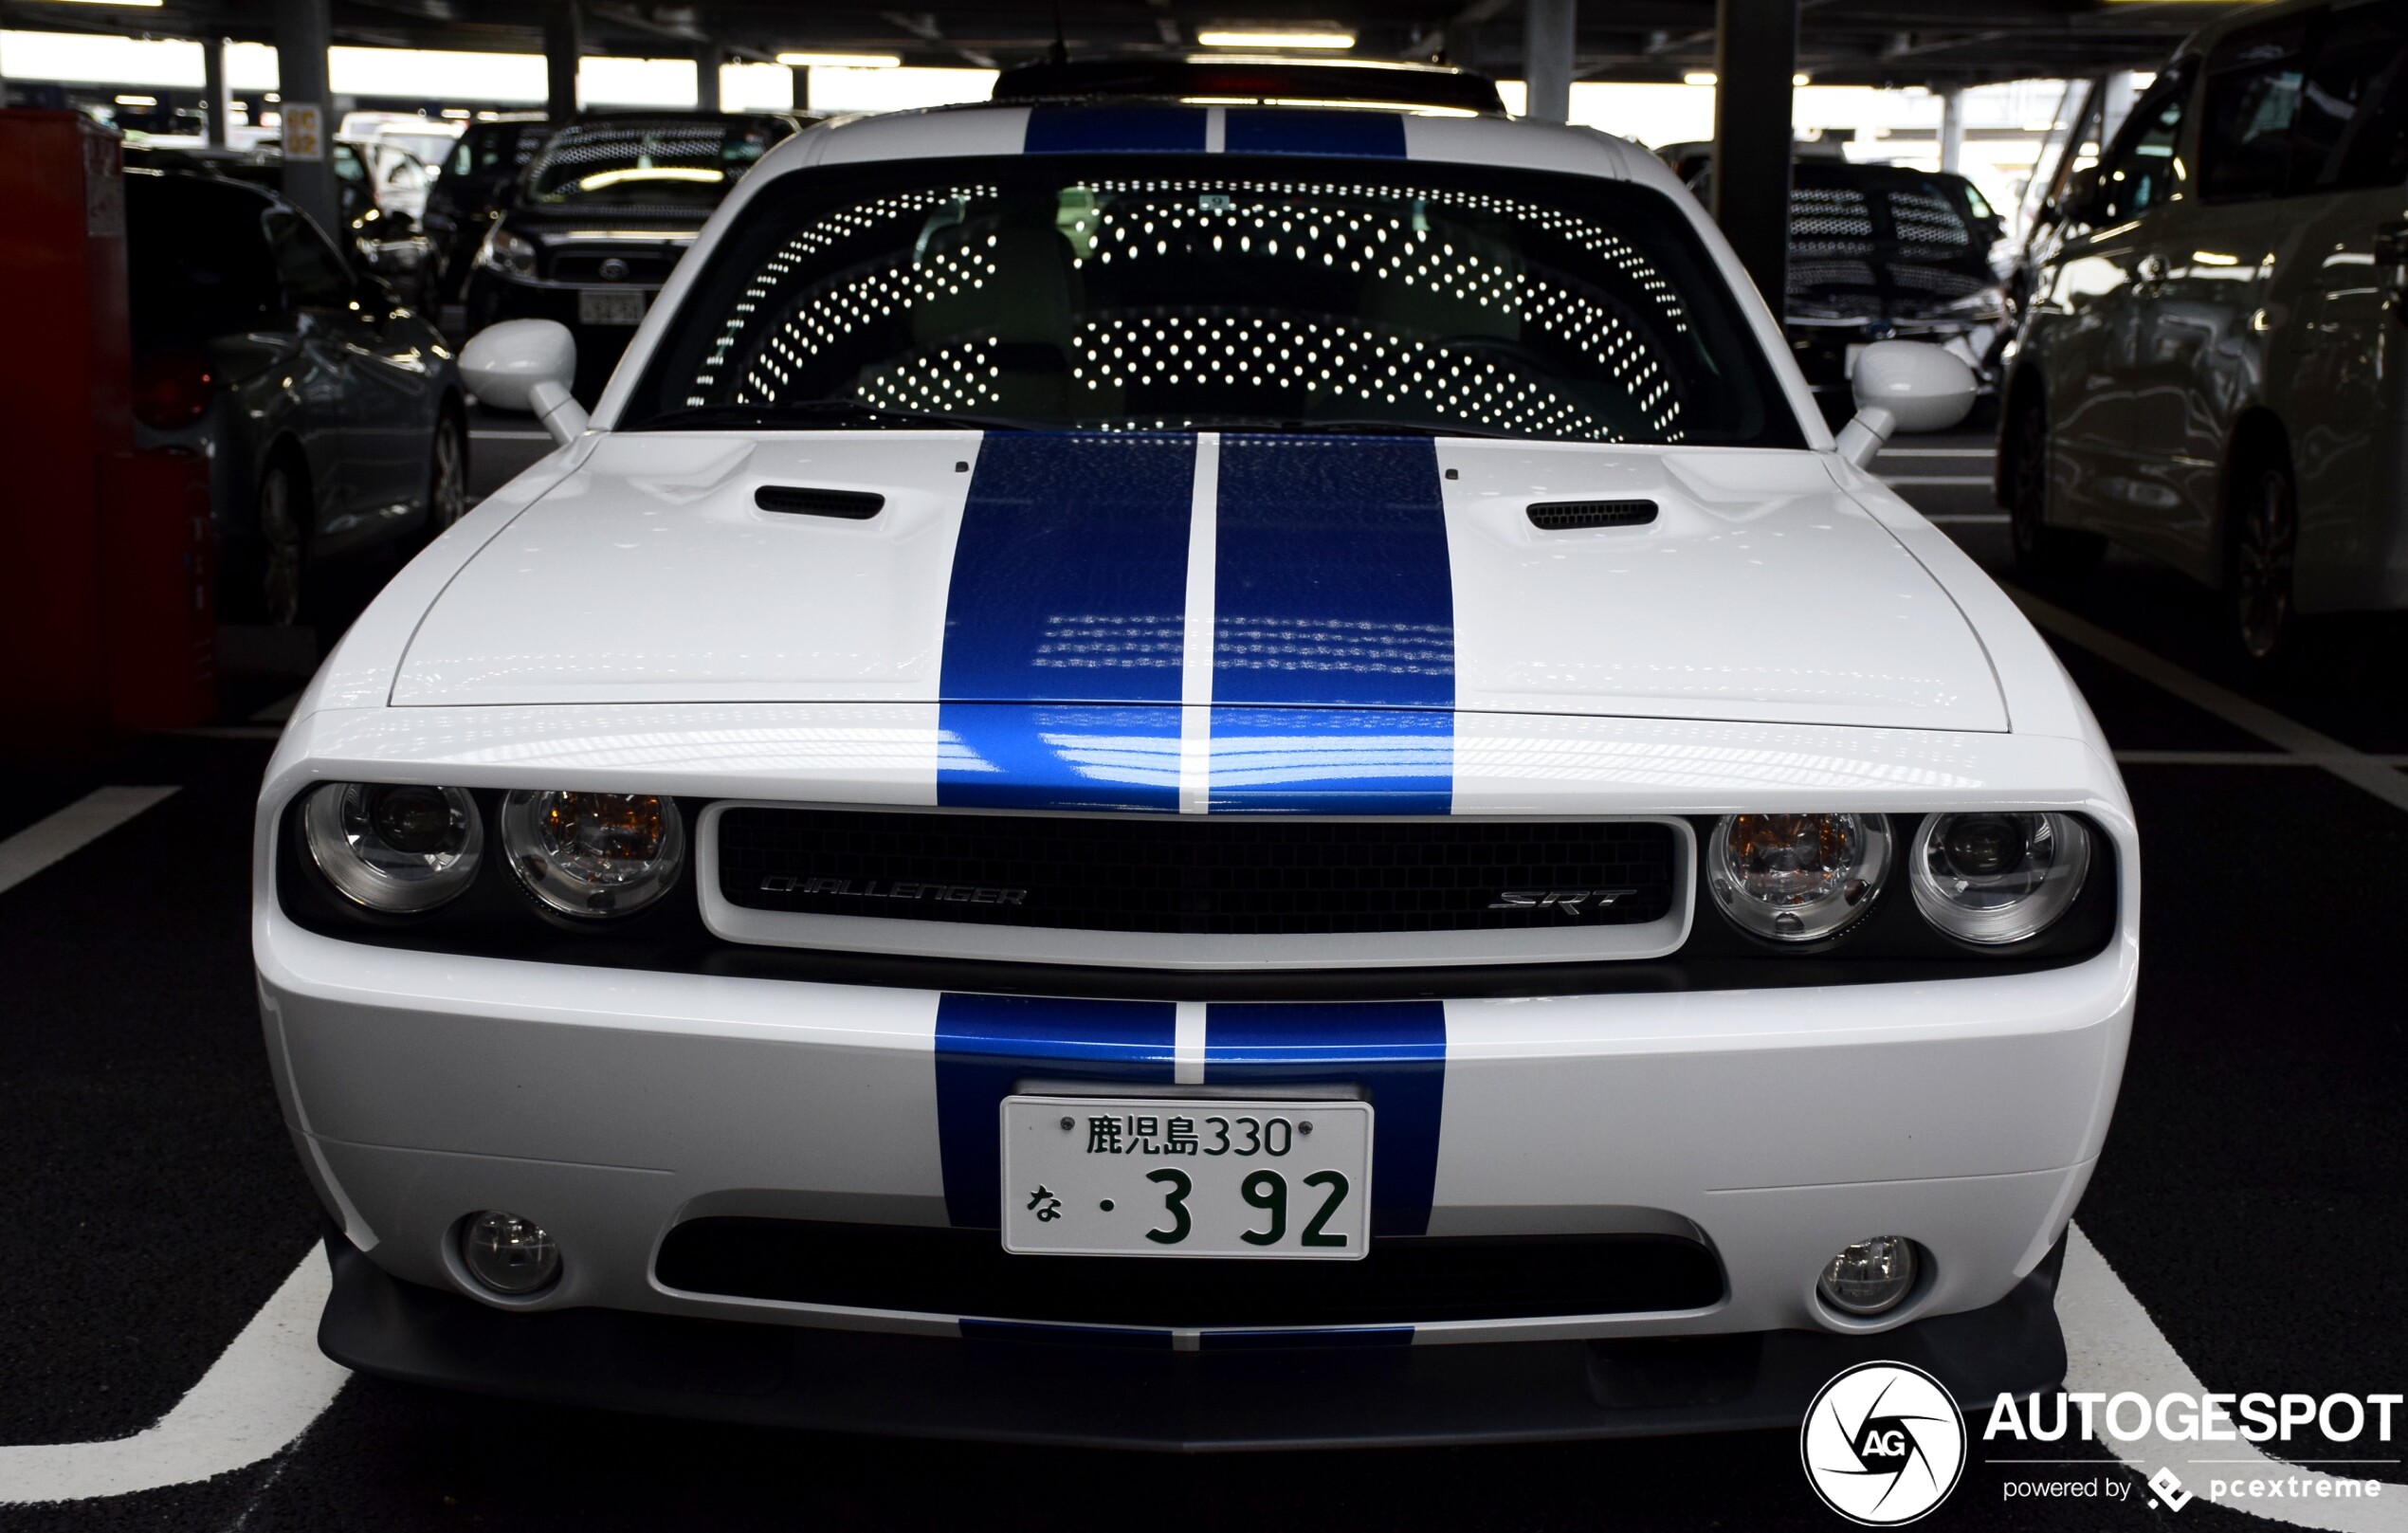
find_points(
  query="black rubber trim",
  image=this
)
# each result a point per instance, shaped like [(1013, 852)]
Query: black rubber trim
[(949, 1271), (1045, 1385), (1570, 516), (498, 919), (852, 506)]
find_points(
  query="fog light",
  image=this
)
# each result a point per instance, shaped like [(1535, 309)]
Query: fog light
[(1869, 1277), (507, 1253)]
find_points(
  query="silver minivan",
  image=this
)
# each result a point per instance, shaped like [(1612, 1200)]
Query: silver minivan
[(2210, 369)]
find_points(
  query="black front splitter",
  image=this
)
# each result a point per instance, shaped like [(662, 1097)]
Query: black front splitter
[(1036, 1384)]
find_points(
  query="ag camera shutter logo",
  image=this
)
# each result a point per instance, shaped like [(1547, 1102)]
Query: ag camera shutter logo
[(1883, 1444)]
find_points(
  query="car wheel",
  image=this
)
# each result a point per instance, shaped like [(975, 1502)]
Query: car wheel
[(2265, 554), (284, 503), (446, 475), (2041, 552)]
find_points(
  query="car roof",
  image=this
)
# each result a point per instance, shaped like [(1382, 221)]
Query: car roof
[(2245, 17)]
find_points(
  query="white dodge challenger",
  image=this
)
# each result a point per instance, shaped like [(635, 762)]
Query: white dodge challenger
[(1169, 769)]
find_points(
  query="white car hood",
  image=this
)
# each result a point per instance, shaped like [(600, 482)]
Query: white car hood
[(1315, 572)]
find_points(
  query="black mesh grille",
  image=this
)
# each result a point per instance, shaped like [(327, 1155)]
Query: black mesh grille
[(855, 505), (967, 1272), (1563, 515), (1241, 877)]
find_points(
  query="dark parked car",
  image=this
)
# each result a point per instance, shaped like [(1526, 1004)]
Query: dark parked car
[(381, 239), (474, 189), (603, 215), (1880, 252), (330, 413)]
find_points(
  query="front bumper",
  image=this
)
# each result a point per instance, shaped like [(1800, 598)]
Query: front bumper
[(1043, 1388)]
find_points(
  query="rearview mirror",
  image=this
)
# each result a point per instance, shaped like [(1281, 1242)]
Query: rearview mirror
[(1904, 386), (527, 364)]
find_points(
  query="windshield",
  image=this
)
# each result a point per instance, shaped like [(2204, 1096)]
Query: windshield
[(688, 162), (1234, 292), (1845, 211)]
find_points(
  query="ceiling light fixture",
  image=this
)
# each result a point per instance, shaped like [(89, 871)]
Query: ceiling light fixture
[(1698, 77), (1260, 39), (840, 60)]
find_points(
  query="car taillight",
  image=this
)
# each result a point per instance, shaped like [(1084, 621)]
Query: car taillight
[(170, 390)]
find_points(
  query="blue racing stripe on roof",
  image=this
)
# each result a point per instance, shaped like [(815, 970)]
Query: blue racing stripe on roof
[(1279, 130), (1073, 130), (1397, 1051), (1069, 587), (1332, 761), (985, 1042)]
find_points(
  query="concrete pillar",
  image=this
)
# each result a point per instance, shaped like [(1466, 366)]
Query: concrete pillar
[(707, 62), (2115, 104), (305, 30), (217, 100), (1548, 49), (563, 45), (1754, 55), (1952, 128), (802, 84)]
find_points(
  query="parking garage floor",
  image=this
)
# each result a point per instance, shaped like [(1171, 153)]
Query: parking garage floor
[(2251, 1197)]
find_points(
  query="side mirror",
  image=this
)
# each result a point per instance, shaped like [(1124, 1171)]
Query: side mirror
[(1904, 386), (527, 364)]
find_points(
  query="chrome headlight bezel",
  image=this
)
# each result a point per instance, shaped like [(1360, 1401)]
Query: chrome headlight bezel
[(351, 829), (2014, 904)]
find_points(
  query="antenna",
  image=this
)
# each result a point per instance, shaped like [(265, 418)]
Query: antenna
[(1061, 54)]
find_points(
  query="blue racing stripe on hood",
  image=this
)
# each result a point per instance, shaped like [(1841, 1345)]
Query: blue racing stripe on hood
[(1291, 131), (985, 1042), (1332, 761), (1071, 130), (1069, 587), (1397, 1051)]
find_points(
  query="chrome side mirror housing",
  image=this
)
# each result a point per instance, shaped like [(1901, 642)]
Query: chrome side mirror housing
[(527, 364), (1904, 386)]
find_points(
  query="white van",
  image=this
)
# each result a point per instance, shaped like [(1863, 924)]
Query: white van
[(2210, 367)]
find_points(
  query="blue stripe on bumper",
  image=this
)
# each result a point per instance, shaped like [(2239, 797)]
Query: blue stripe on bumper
[(1397, 1051), (985, 1042)]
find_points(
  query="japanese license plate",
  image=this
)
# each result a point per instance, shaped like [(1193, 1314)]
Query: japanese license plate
[(1186, 1177), (609, 305)]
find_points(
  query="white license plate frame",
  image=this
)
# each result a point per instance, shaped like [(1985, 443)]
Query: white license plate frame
[(610, 305), (1287, 1196)]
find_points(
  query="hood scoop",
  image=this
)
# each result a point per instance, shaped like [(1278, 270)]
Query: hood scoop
[(1571, 516), (797, 500)]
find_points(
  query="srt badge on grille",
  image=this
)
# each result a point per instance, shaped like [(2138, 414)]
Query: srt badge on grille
[(1571, 904), (872, 888)]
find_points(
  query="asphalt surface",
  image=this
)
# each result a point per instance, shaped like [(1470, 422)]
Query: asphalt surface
[(2254, 1193)]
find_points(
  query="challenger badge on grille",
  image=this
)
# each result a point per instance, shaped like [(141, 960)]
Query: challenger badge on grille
[(872, 888)]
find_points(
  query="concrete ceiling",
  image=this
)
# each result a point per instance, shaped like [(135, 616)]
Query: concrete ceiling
[(1845, 42)]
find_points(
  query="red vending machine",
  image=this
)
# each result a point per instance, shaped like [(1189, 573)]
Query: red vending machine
[(105, 622)]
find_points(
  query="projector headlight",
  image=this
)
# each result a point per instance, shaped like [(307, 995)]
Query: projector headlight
[(594, 855), (1998, 878), (1797, 877), (397, 849)]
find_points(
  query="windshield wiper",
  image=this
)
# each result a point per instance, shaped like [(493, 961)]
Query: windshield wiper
[(824, 413)]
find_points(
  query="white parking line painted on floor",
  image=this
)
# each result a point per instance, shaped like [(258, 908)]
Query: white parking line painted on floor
[(2112, 1345), (261, 1394), (2353, 767), (2280, 758), (1966, 519), (48, 840), (1956, 481), (1938, 452), (489, 433), (277, 712)]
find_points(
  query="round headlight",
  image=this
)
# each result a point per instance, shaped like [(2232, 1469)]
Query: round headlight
[(594, 855), (1998, 878), (1797, 877), (398, 850)]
